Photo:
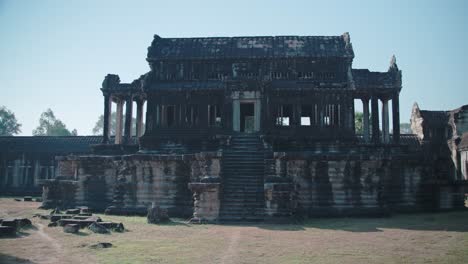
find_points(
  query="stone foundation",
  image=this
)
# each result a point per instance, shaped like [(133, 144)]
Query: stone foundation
[(131, 183), (342, 185)]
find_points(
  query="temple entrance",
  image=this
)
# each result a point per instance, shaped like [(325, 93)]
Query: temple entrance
[(247, 117), (246, 110)]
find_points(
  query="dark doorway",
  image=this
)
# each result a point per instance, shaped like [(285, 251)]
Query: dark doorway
[(247, 117)]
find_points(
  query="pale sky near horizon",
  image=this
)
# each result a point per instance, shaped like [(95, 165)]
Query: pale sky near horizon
[(55, 54)]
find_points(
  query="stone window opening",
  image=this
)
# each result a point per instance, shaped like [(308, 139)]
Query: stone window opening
[(284, 115), (305, 75), (165, 115), (214, 116), (307, 115), (170, 115), (191, 115)]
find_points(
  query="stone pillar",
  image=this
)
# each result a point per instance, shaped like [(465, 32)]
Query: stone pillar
[(257, 114), (236, 115), (396, 118), (128, 120), (385, 122), (207, 202), (106, 122), (119, 121), (375, 119), (365, 119), (139, 113)]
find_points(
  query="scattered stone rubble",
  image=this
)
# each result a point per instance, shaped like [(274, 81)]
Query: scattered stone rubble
[(72, 220), (28, 199), (10, 226)]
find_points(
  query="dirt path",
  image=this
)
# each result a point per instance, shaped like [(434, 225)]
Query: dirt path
[(232, 252)]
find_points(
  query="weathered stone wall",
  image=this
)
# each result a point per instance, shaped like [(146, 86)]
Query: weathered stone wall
[(356, 184), (22, 173), (132, 183)]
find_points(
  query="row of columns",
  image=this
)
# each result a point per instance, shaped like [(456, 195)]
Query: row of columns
[(385, 119), (126, 136)]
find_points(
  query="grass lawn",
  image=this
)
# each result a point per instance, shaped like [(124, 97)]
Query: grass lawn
[(415, 238)]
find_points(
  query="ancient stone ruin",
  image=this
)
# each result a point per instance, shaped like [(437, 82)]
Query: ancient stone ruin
[(256, 128)]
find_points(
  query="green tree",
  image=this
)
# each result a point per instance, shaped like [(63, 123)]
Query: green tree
[(97, 130), (9, 126), (49, 125), (358, 122), (405, 128)]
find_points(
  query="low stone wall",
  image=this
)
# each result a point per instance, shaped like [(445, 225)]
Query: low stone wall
[(131, 183)]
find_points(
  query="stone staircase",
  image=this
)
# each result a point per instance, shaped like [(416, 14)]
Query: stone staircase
[(243, 172)]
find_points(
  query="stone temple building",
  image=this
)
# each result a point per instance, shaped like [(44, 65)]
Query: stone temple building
[(255, 128)]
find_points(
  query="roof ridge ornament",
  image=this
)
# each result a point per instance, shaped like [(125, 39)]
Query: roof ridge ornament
[(346, 38), (393, 64)]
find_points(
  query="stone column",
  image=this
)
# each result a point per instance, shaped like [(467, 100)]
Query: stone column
[(257, 114), (375, 119), (396, 118), (365, 119), (139, 113), (207, 203), (236, 115), (128, 120), (119, 121), (106, 122), (385, 121)]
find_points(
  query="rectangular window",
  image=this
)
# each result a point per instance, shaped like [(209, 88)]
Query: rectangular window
[(170, 115), (191, 115), (214, 115), (284, 115), (306, 115)]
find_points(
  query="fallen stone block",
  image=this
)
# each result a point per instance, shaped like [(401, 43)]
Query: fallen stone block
[(27, 199), (6, 231), (71, 228), (98, 228), (85, 214), (74, 211), (84, 210), (23, 222), (80, 223), (10, 222), (80, 217), (56, 217), (94, 218), (110, 225), (157, 215), (101, 245), (118, 228)]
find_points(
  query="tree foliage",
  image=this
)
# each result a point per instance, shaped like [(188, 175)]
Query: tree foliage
[(97, 130), (49, 125), (405, 128), (358, 122), (9, 126)]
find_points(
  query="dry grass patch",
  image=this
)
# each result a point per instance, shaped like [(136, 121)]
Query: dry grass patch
[(418, 238)]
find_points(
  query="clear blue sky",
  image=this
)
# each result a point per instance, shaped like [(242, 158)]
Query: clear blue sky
[(54, 54)]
